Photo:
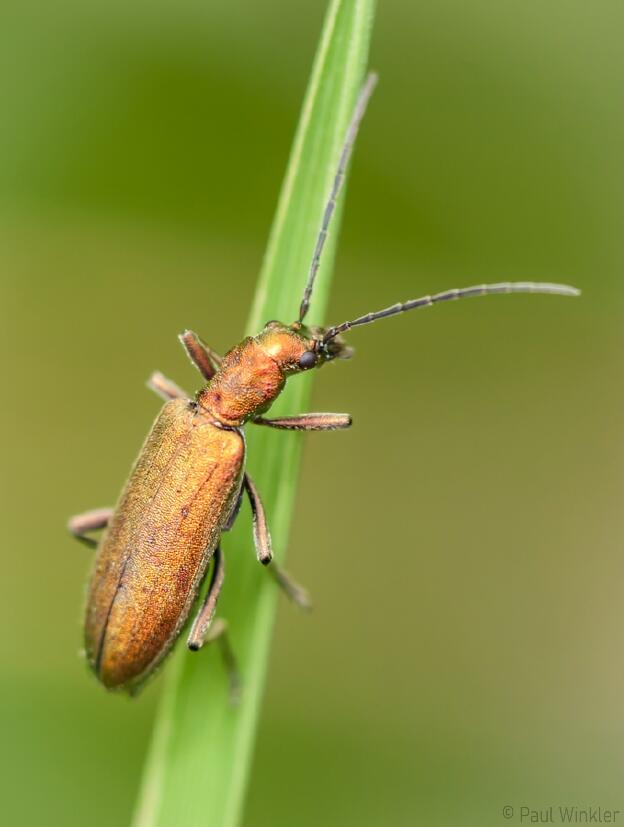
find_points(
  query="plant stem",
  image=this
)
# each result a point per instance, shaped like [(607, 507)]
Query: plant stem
[(198, 763)]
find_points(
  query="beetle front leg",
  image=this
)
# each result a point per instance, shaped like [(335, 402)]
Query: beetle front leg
[(204, 358), (264, 552), (81, 524), (308, 422), (204, 630)]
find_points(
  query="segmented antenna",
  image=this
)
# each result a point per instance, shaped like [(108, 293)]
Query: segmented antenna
[(358, 114), (450, 295)]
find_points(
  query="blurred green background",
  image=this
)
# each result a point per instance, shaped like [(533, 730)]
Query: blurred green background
[(463, 543)]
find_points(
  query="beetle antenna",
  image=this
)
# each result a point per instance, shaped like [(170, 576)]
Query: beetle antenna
[(358, 114), (450, 295)]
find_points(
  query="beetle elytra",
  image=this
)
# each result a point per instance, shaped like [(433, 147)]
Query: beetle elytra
[(188, 482)]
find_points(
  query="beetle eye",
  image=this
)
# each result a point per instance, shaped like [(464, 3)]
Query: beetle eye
[(307, 359)]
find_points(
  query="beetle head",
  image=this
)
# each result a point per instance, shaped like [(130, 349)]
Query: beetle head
[(297, 348)]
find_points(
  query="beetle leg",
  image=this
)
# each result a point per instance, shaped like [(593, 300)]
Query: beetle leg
[(264, 553), (204, 630), (81, 524), (308, 422), (234, 513), (219, 632), (261, 534), (203, 619), (164, 387), (291, 588), (204, 358)]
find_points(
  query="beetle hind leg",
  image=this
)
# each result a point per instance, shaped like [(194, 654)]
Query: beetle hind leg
[(264, 552), (203, 619), (204, 630)]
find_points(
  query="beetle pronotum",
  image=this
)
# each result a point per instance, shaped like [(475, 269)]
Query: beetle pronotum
[(189, 479)]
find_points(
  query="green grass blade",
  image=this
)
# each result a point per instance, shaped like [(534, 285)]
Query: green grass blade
[(200, 756)]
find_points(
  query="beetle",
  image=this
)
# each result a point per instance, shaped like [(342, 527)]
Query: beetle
[(187, 484)]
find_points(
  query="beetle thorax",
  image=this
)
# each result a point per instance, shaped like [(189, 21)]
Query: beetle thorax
[(247, 383)]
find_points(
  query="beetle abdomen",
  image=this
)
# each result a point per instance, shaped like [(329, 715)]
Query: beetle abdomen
[(154, 554)]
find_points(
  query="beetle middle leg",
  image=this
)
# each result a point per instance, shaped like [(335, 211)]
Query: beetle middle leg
[(262, 540), (81, 524), (204, 630), (165, 388)]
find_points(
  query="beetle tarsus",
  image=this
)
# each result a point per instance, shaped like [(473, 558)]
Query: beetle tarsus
[(298, 594)]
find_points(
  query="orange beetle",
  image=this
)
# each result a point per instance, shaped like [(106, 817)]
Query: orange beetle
[(188, 481)]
